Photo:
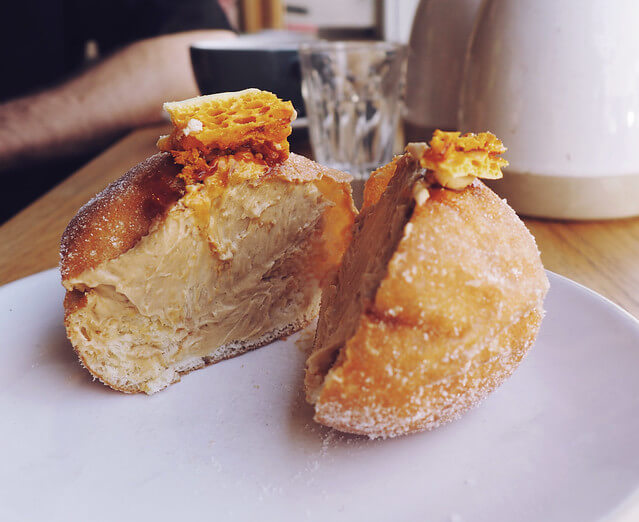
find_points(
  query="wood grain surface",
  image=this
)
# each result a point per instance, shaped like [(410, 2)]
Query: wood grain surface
[(30, 241), (602, 255)]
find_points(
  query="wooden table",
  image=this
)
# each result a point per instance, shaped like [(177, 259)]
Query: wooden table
[(602, 255)]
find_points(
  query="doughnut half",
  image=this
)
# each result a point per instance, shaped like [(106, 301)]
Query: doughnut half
[(197, 255), (438, 299)]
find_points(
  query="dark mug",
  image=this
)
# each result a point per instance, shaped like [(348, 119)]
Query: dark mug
[(246, 62)]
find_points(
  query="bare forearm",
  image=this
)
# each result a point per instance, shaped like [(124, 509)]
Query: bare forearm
[(124, 91)]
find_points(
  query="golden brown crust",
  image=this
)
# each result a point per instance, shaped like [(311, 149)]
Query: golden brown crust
[(119, 216), (372, 401), (301, 169), (458, 308), (467, 251), (378, 181)]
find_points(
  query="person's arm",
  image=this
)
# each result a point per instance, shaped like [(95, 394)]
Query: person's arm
[(125, 90)]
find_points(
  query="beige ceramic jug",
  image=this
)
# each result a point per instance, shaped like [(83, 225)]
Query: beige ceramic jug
[(558, 82), (435, 65)]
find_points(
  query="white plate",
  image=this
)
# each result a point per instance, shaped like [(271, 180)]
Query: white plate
[(558, 442)]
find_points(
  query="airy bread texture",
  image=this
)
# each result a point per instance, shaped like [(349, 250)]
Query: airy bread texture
[(438, 298), (166, 274)]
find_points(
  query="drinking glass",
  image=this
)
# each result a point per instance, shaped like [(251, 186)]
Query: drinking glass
[(352, 94)]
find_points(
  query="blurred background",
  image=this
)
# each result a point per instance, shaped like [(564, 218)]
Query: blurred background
[(557, 82), (332, 19), (89, 72)]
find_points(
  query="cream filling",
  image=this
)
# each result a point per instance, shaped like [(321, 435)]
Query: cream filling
[(192, 286), (378, 230)]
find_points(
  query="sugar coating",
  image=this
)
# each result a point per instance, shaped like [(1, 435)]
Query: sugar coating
[(115, 219), (456, 311)]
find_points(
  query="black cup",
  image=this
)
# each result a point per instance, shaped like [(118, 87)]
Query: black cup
[(246, 62)]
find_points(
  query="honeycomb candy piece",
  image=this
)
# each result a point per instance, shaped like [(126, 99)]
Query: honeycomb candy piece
[(249, 120), (455, 160), (451, 161)]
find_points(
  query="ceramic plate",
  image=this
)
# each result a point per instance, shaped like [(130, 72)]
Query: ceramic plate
[(559, 441)]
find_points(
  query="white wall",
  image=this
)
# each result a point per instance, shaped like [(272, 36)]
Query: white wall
[(333, 13), (398, 19), (398, 15)]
